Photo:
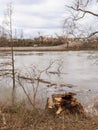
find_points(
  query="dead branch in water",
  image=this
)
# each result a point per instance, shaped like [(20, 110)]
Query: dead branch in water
[(54, 72), (50, 84)]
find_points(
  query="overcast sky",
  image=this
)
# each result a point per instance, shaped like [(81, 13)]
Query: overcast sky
[(34, 16)]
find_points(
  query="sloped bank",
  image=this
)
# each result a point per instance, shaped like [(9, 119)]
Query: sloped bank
[(20, 118)]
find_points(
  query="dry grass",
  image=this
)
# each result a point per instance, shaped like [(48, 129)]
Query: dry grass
[(21, 118)]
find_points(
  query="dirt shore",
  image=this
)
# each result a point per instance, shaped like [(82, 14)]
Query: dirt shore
[(51, 48), (62, 47), (21, 119)]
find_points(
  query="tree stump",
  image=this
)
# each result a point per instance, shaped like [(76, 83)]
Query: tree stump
[(65, 103)]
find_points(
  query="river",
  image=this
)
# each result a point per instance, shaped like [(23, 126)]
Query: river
[(68, 68)]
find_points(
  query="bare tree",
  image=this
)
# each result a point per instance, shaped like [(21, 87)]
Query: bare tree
[(34, 78), (80, 11), (8, 23)]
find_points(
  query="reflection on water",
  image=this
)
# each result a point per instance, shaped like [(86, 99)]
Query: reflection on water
[(75, 67)]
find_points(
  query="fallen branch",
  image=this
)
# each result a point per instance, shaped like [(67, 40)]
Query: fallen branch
[(50, 84), (54, 72)]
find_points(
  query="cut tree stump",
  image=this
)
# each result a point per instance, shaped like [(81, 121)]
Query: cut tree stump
[(66, 103)]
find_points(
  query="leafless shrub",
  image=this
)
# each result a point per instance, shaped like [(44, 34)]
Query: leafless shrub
[(34, 78)]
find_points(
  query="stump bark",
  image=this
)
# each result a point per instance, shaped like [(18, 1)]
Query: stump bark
[(65, 103)]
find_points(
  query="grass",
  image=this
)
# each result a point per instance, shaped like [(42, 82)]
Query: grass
[(21, 118)]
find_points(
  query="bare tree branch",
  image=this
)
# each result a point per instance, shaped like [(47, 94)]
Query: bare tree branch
[(83, 10), (78, 10), (25, 91), (78, 18), (92, 34)]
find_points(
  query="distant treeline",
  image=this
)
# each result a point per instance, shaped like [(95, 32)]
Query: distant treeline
[(71, 44), (40, 41)]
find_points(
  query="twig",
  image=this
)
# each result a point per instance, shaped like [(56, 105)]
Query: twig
[(3, 118), (25, 92)]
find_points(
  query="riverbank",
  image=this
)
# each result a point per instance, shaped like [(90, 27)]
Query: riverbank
[(54, 48), (4, 49), (63, 47), (20, 118)]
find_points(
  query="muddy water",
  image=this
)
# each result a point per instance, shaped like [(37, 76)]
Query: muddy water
[(74, 68)]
